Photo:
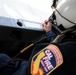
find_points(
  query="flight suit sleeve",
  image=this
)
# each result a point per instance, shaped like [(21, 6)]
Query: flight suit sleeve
[(50, 39), (68, 52)]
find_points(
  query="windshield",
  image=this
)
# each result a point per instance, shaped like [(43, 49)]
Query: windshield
[(32, 10)]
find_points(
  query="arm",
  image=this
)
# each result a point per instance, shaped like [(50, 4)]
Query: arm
[(48, 29)]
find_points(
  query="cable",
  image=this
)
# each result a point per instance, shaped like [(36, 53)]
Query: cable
[(32, 44)]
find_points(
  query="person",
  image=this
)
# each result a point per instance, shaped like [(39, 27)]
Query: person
[(44, 58)]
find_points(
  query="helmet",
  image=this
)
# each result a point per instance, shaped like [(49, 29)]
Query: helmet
[(67, 9)]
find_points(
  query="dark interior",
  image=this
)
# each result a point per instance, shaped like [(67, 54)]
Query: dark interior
[(13, 40)]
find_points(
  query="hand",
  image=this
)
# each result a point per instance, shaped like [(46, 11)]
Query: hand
[(46, 25)]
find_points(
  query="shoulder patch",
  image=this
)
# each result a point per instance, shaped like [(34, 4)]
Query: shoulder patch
[(46, 60)]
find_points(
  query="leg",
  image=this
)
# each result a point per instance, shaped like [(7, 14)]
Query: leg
[(4, 59)]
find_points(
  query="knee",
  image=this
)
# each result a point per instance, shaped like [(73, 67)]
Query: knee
[(4, 57)]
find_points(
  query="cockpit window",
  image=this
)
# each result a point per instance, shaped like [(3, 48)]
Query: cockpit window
[(32, 10)]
